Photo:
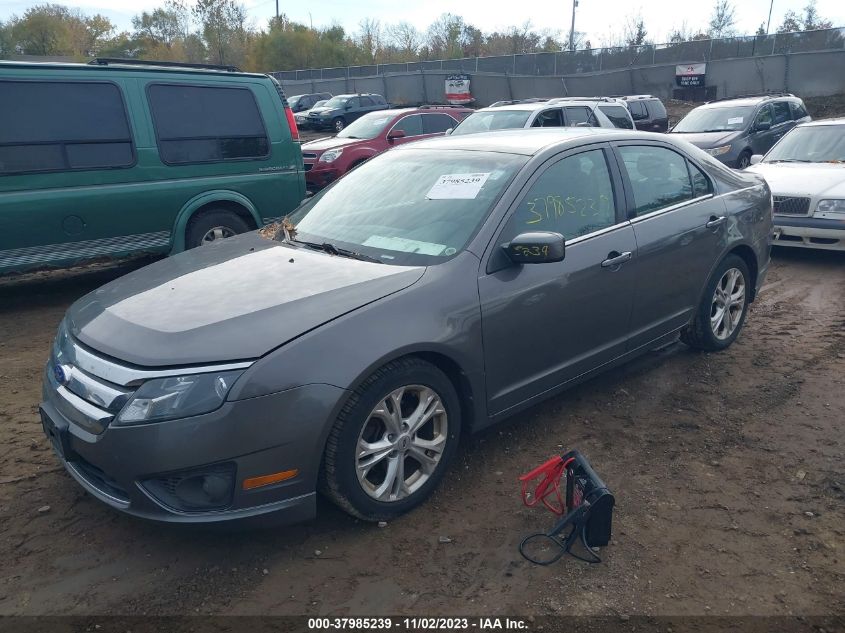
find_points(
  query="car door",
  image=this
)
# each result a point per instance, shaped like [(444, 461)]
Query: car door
[(353, 109), (782, 121), (411, 125), (546, 324), (679, 227), (761, 140)]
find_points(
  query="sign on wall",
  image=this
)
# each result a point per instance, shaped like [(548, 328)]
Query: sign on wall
[(457, 89), (690, 75)]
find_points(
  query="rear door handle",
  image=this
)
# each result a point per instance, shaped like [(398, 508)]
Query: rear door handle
[(714, 221), (615, 258)]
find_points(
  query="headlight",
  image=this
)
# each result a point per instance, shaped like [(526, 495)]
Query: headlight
[(331, 155), (718, 151), (177, 397), (831, 206)]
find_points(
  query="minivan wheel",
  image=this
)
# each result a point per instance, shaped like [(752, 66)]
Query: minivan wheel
[(339, 124), (393, 440), (212, 226), (723, 308), (744, 160)]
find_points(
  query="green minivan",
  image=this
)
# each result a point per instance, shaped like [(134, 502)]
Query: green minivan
[(118, 157)]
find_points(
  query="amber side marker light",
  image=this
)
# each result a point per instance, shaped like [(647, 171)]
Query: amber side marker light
[(266, 480)]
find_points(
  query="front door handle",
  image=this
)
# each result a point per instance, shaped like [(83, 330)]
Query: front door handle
[(615, 258), (716, 222)]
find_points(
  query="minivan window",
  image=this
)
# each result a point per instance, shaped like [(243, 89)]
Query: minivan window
[(798, 111), (781, 112), (719, 119), (618, 115), (59, 126), (573, 197), (196, 124), (658, 176)]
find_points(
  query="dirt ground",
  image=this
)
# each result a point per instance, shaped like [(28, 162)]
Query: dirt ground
[(728, 471)]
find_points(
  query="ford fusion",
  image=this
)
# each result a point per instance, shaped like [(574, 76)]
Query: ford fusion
[(438, 288)]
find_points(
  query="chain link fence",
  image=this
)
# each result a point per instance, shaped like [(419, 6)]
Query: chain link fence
[(597, 59)]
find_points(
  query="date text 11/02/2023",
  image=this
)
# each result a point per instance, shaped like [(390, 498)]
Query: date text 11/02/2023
[(554, 206), (420, 623)]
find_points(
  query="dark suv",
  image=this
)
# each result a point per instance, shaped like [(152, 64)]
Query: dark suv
[(648, 112), (301, 103), (340, 111), (732, 130)]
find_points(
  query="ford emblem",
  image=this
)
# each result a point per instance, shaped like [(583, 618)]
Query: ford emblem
[(60, 374)]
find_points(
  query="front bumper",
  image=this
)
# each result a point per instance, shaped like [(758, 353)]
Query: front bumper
[(320, 175), (255, 437), (809, 232), (321, 123)]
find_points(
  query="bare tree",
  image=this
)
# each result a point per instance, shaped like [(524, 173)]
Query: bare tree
[(369, 38), (635, 31), (405, 37), (723, 19)]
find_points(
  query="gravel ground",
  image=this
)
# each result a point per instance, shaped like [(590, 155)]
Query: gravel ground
[(727, 468)]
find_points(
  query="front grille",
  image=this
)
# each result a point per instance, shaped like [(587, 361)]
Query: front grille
[(309, 156), (789, 205), (308, 166), (96, 478)]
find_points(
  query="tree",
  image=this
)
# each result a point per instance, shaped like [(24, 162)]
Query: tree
[(811, 19), (635, 31), (6, 44), (406, 38), (722, 20), (369, 40), (224, 29), (761, 30), (791, 22), (446, 36)]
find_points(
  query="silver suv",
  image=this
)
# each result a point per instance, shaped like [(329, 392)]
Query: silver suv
[(562, 112)]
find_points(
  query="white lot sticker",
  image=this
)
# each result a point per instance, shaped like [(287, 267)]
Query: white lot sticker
[(403, 245), (734, 120), (457, 186)]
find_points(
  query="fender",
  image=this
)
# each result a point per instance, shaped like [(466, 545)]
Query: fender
[(201, 200)]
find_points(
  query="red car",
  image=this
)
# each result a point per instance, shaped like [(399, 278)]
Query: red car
[(327, 159)]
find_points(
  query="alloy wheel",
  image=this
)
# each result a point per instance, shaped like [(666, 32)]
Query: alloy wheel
[(728, 304), (217, 233), (401, 443)]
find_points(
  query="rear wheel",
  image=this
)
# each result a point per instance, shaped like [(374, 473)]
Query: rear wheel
[(392, 442), (723, 309), (214, 225)]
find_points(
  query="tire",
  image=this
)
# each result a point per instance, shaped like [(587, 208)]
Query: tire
[(365, 492), (708, 331), (338, 124), (744, 160), (213, 225)]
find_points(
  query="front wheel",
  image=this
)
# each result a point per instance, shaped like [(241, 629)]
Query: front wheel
[(338, 124), (721, 314), (392, 442), (744, 160)]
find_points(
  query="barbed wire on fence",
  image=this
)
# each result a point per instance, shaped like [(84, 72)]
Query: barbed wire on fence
[(597, 59)]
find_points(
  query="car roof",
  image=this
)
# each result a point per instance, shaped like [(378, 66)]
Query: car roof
[(130, 67), (539, 105), (520, 141)]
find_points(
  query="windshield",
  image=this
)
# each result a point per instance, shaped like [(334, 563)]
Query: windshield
[(408, 207), (816, 144), (716, 119), (492, 120), (319, 104), (293, 101), (368, 126), (336, 102)]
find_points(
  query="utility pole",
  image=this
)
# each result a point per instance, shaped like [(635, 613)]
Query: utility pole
[(277, 9), (769, 23), (572, 29)]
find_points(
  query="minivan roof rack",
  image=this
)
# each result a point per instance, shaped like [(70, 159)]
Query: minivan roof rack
[(756, 94), (107, 61)]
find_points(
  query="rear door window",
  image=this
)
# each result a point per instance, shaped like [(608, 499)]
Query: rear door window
[(63, 126), (200, 124), (437, 123), (580, 114), (618, 115), (549, 118), (659, 177), (366, 102)]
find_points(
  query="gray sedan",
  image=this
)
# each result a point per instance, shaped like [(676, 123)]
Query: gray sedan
[(437, 288)]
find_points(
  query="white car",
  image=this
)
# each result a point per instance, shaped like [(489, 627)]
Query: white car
[(806, 172), (558, 112)]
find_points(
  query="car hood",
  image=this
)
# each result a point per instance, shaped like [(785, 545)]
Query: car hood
[(322, 144), (807, 179), (318, 111), (709, 139), (235, 300)]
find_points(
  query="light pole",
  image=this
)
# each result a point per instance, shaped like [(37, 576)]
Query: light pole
[(572, 28), (769, 23)]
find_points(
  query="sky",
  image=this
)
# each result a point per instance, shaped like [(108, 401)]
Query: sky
[(599, 19)]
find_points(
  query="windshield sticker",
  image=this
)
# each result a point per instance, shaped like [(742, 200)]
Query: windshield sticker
[(457, 186), (735, 120), (404, 245)]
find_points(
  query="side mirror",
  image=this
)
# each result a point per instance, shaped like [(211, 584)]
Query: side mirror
[(449, 131), (538, 247), (756, 158), (394, 134), (762, 126), (348, 106)]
